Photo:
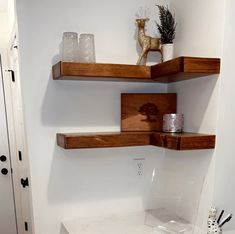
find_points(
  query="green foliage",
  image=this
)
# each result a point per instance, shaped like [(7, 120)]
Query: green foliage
[(167, 25)]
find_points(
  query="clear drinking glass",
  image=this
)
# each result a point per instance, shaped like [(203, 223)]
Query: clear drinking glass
[(70, 46), (87, 48)]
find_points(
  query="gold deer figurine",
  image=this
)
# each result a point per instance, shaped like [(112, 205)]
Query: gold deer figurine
[(147, 43)]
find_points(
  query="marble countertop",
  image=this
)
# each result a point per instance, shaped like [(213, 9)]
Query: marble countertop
[(144, 222)]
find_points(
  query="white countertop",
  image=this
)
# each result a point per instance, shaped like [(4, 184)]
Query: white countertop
[(131, 223)]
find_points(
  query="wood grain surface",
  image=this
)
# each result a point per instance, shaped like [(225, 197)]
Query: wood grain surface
[(177, 69), (101, 71), (174, 141), (185, 68), (144, 112), (102, 140)]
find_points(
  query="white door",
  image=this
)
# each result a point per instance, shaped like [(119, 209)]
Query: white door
[(7, 207)]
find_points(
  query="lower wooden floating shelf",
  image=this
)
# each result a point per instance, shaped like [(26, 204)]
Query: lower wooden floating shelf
[(174, 141)]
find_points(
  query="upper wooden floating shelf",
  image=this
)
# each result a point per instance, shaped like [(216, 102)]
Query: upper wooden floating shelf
[(181, 68), (174, 141)]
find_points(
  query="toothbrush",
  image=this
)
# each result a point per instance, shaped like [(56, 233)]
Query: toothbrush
[(226, 219), (220, 216)]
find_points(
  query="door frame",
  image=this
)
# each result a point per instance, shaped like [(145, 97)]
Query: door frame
[(20, 168), (10, 198)]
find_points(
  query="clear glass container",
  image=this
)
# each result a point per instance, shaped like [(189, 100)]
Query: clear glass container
[(70, 47), (87, 48)]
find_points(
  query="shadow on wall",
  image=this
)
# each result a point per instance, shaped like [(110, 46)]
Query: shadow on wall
[(201, 111), (92, 176), (63, 230), (89, 175), (84, 177), (185, 177), (88, 103)]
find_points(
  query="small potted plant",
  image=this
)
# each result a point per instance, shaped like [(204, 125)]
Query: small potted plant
[(166, 29)]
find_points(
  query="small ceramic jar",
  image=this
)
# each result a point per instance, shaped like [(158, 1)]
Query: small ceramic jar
[(173, 122)]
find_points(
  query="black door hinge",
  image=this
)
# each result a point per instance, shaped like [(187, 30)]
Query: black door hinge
[(24, 182), (26, 228), (12, 75), (20, 155)]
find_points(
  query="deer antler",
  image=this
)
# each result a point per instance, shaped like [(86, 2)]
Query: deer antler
[(147, 12), (143, 12), (139, 13)]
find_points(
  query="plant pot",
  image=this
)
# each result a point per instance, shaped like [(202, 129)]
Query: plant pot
[(167, 52)]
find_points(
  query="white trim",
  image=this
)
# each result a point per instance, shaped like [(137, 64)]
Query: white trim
[(11, 136), (17, 141)]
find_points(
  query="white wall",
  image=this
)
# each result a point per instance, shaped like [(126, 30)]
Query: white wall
[(200, 27), (225, 187), (7, 23), (4, 30), (199, 33), (210, 36), (11, 16), (77, 183)]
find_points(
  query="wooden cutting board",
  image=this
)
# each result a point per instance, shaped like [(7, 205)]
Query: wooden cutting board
[(144, 112)]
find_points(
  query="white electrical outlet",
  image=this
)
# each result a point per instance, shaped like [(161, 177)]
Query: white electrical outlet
[(139, 166)]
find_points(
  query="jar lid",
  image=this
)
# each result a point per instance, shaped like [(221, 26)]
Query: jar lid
[(86, 35), (70, 34)]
